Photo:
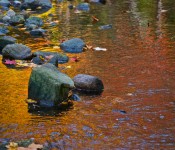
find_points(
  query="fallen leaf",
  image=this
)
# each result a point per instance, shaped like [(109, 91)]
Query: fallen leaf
[(12, 146), (68, 67), (99, 49), (10, 62), (55, 47), (94, 19), (74, 59), (49, 57)]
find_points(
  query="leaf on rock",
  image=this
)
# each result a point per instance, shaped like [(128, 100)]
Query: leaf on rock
[(49, 57), (10, 62)]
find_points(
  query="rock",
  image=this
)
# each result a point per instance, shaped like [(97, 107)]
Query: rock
[(88, 83), (5, 40), (16, 3), (74, 45), (6, 19), (16, 51), (83, 7), (17, 19), (55, 58), (3, 30), (99, 1), (34, 21), (34, 4), (48, 86), (104, 27), (4, 3), (10, 13), (38, 32)]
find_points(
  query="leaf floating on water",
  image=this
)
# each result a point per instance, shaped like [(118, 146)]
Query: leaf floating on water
[(99, 49), (56, 47), (10, 62), (77, 11), (68, 67), (74, 59), (94, 19), (12, 146)]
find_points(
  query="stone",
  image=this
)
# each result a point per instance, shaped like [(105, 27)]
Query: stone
[(83, 7), (16, 51), (74, 45), (34, 4), (57, 58), (5, 3), (34, 21), (38, 32), (17, 19), (5, 40), (10, 13), (88, 83), (3, 30), (48, 86)]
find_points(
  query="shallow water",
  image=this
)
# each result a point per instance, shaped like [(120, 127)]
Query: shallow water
[(136, 109)]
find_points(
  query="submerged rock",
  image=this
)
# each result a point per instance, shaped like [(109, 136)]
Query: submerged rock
[(49, 57), (5, 40), (74, 45), (48, 86), (88, 83), (16, 51)]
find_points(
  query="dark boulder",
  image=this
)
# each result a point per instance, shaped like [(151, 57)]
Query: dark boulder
[(48, 86), (38, 32), (5, 40), (16, 51), (74, 45), (88, 83)]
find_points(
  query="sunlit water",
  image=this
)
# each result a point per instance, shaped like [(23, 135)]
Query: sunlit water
[(136, 109)]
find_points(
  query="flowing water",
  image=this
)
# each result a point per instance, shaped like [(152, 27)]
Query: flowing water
[(137, 107)]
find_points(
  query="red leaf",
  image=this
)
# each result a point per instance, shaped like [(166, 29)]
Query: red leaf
[(10, 62)]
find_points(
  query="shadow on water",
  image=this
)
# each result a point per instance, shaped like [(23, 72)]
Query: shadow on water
[(36, 109)]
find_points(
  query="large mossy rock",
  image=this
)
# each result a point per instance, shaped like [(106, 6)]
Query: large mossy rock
[(16, 51), (74, 45), (48, 86), (5, 40), (88, 83)]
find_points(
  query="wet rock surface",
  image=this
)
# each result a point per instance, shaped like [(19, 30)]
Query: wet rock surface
[(16, 51), (74, 45), (5, 40), (88, 83), (49, 86)]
